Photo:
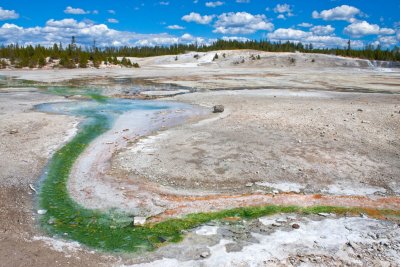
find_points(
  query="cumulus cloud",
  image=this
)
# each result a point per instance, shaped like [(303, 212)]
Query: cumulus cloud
[(187, 36), (111, 11), (214, 4), (56, 31), (235, 38), (75, 11), (197, 18), (243, 1), (363, 28), (307, 37), (386, 41), (284, 11), (322, 30), (163, 3), (241, 23), (344, 12), (8, 14), (175, 27)]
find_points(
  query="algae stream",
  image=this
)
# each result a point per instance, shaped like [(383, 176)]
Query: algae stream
[(113, 231)]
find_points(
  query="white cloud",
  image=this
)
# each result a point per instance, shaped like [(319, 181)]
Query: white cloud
[(284, 11), (307, 37), (163, 3), (283, 8), (56, 31), (241, 23), (305, 25), (8, 14), (386, 31), (214, 4), (175, 27), (386, 41), (186, 36), (288, 34), (343, 12), (235, 38), (111, 11), (322, 30), (363, 28), (75, 11), (281, 16), (197, 18), (113, 21), (243, 1)]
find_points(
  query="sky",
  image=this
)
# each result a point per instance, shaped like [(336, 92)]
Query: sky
[(323, 23)]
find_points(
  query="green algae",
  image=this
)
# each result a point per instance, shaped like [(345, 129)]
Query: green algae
[(113, 230)]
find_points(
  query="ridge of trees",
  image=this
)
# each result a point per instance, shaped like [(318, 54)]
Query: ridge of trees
[(73, 56)]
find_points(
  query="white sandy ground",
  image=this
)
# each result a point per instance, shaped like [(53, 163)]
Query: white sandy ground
[(274, 70), (327, 242), (41, 133)]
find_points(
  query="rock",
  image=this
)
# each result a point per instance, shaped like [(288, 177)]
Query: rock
[(281, 220), (218, 109), (162, 239), (277, 224), (13, 131), (41, 212), (249, 184), (360, 110), (51, 221), (295, 226), (139, 220), (323, 214), (205, 254), (233, 247)]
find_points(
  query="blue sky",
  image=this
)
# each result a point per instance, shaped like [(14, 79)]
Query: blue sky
[(325, 23)]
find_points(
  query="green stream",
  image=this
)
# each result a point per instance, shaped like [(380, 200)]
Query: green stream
[(113, 230)]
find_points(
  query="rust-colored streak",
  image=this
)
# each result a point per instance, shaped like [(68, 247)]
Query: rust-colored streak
[(183, 205)]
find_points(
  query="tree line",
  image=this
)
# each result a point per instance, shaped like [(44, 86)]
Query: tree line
[(72, 56)]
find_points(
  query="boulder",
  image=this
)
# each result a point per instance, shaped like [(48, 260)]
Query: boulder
[(218, 109)]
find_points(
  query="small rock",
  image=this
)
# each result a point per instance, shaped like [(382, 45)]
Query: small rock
[(277, 224), (218, 109), (162, 239), (249, 184), (295, 226), (13, 131), (139, 220), (233, 247), (51, 221), (323, 214), (360, 110), (205, 254), (281, 220), (41, 212)]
